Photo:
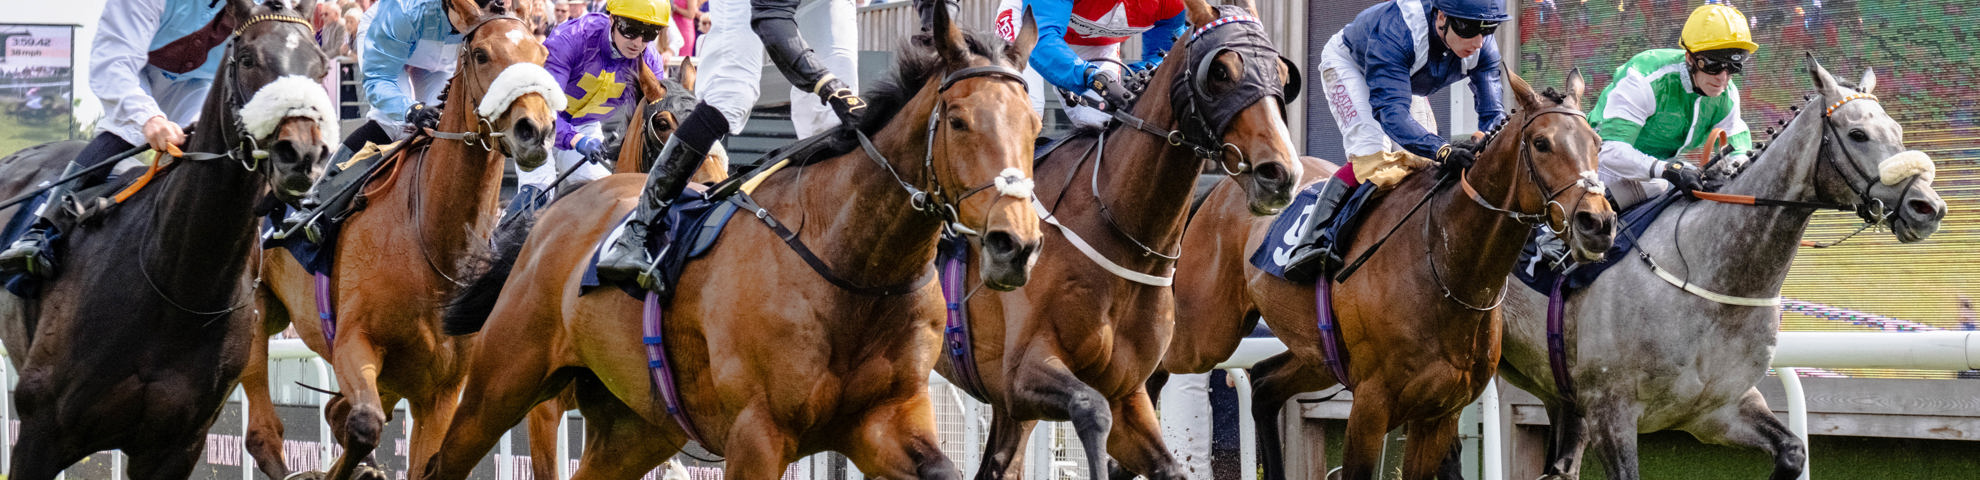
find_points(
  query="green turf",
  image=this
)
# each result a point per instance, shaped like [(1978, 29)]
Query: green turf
[(17, 133)]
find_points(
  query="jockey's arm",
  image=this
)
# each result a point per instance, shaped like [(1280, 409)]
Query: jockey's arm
[(1052, 57), (1157, 41), (922, 7), (1487, 94), (773, 21), (564, 45), (117, 60), (1626, 107), (393, 35), (1389, 94)]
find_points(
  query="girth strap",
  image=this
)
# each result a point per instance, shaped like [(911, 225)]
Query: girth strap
[(797, 245)]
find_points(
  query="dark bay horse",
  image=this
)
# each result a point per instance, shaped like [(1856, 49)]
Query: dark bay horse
[(1079, 340), (399, 258), (137, 342), (1646, 355), (772, 361), (1418, 322)]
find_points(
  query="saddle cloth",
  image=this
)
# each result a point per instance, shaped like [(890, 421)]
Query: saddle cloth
[(1276, 251), (343, 185), (693, 220), (1539, 271)]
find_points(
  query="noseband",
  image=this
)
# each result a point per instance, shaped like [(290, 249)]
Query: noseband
[(245, 149), (482, 134)]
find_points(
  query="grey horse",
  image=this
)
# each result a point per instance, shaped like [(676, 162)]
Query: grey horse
[(1646, 355)]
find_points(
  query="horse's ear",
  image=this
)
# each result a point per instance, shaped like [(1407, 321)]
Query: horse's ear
[(688, 71), (1200, 12), (1019, 50), (463, 14), (1823, 81), (948, 37), (1521, 91), (240, 10), (1576, 86), (1869, 81)]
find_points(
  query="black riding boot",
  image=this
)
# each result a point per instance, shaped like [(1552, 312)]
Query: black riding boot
[(626, 260), (1319, 248), (29, 253)]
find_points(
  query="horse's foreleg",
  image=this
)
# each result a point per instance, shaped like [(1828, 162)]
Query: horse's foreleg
[(544, 420), (1003, 451), (1136, 442), (1614, 436), (429, 416), (1367, 428), (757, 448), (1044, 383), (898, 441), (363, 415), (264, 429), (1273, 381), (1751, 424), (41, 453), (1570, 440), (503, 384), (1430, 444), (164, 463), (618, 443)]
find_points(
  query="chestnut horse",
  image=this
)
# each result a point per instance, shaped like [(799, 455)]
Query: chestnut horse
[(771, 360), (1418, 323), (400, 257), (137, 342), (1079, 340)]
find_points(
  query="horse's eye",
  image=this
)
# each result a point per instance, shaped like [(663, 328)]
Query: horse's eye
[(1542, 145), (1859, 136), (957, 124), (246, 60), (480, 56), (1222, 74)]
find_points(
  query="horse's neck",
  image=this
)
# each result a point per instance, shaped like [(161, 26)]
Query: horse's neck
[(201, 219), (1467, 237), (854, 216), (1742, 249), (458, 188), (1143, 180)]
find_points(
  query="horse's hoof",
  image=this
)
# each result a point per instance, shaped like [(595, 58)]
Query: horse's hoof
[(367, 472), (306, 475)]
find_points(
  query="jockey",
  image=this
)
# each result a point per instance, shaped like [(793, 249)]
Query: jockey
[(1375, 73), (729, 90), (1079, 47), (151, 65), (600, 59), (409, 54), (1666, 101)]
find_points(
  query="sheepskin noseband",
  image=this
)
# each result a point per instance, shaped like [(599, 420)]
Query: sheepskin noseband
[(514, 82), (290, 96)]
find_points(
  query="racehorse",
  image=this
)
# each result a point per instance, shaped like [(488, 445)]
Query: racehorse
[(1079, 340), (137, 342), (1417, 323), (398, 259), (771, 360), (1647, 355)]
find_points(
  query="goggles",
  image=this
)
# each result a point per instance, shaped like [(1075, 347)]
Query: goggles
[(633, 30), (1468, 28)]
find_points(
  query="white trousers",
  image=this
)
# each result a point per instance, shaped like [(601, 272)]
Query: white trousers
[(1186, 423), (733, 57), (1346, 91), (543, 175)]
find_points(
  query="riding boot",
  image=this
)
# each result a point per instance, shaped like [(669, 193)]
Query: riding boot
[(1314, 252), (29, 253), (626, 260)]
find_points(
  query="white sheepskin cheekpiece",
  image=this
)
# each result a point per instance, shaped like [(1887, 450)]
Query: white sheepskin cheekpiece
[(1012, 183), (514, 82), (1905, 164), (290, 96)]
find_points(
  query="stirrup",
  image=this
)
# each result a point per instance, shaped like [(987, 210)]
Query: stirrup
[(28, 257)]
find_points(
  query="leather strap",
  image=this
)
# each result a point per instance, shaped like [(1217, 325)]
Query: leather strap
[(1101, 260), (818, 265)]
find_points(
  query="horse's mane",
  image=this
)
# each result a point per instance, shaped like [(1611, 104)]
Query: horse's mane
[(913, 67)]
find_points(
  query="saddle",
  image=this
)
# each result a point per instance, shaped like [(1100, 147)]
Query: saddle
[(344, 185), (1542, 261)]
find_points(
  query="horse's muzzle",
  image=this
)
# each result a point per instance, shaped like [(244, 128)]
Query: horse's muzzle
[(1007, 260), (528, 143)]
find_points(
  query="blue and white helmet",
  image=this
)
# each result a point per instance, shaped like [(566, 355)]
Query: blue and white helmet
[(1489, 11)]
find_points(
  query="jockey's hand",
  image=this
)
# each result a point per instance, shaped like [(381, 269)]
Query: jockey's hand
[(850, 108), (159, 132), (1456, 156), (1109, 85), (421, 117), (1682, 176), (588, 145)]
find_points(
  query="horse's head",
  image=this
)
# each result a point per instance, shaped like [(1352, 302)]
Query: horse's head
[(1228, 93), (501, 76), (287, 120), (1872, 167), (1548, 154), (978, 138)]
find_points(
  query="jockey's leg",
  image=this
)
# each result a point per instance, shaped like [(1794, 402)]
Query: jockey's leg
[(831, 28), (28, 254)]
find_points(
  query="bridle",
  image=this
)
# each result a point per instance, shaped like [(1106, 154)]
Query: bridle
[(243, 149), (1869, 208), (1588, 182), (1197, 130), (482, 133), (934, 200)]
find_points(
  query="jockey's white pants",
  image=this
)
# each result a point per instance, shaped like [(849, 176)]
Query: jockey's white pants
[(1186, 423), (732, 60), (1346, 92), (543, 175)]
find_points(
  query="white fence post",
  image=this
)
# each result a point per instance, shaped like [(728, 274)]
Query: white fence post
[(1797, 410)]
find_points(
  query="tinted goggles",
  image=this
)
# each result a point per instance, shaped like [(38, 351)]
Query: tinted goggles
[(1715, 66), (636, 30), (1467, 28)]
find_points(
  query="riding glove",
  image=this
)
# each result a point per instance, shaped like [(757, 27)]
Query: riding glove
[(588, 145), (1111, 89), (420, 117), (1682, 175), (850, 108), (1454, 155)]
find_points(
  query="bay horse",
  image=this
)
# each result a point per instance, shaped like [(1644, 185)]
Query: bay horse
[(398, 259), (771, 360), (1418, 323), (1645, 355), (137, 342), (1079, 341)]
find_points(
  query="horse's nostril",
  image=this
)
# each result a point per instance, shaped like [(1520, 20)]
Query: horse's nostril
[(1587, 222), (999, 243), (1270, 173), (1922, 208), (525, 131)]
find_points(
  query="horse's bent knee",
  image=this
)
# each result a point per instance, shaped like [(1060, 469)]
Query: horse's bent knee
[(364, 426)]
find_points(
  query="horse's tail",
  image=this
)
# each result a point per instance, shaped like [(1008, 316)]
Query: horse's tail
[(468, 310)]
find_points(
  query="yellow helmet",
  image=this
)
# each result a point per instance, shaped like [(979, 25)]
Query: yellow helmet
[(657, 12), (1715, 26)]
